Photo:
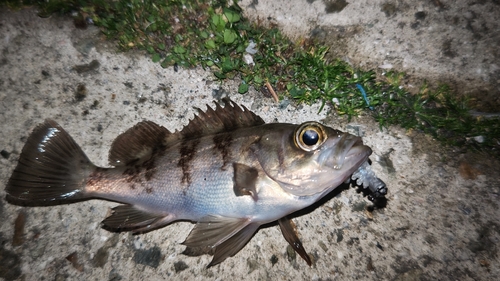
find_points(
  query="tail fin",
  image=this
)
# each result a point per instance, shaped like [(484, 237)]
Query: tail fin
[(52, 169)]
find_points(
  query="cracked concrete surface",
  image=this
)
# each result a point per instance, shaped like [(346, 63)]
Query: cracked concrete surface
[(440, 223), (439, 41)]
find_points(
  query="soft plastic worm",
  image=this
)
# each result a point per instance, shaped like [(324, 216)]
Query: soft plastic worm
[(365, 177)]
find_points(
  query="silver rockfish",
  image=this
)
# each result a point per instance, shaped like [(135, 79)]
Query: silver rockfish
[(227, 171)]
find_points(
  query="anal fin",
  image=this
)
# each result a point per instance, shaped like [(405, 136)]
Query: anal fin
[(129, 218), (234, 244), (222, 236), (289, 231)]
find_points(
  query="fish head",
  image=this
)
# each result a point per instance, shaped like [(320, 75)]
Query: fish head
[(311, 159)]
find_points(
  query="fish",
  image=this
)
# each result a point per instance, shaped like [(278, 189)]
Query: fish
[(226, 171)]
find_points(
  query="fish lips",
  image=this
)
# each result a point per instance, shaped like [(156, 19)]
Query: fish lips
[(357, 154), (344, 153), (342, 158)]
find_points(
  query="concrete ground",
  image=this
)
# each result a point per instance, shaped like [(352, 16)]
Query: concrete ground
[(457, 42), (441, 220)]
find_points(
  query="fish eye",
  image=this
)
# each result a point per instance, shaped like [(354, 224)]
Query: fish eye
[(309, 136)]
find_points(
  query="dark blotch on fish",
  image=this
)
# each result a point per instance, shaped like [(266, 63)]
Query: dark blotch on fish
[(134, 170), (150, 165), (188, 151), (132, 174), (223, 143), (96, 176)]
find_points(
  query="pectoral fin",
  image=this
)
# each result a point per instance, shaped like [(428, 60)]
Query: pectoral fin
[(222, 236), (129, 218), (289, 231), (245, 179)]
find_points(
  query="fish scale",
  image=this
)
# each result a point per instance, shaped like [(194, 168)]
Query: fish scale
[(226, 171)]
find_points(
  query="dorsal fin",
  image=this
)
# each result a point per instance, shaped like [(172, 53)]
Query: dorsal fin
[(222, 119), (138, 144)]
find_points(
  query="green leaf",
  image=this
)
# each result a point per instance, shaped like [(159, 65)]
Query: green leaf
[(161, 46), (229, 36), (210, 44), (231, 15), (243, 88), (204, 34), (227, 64), (156, 57), (166, 62), (218, 22), (297, 93), (240, 49), (179, 50), (219, 75)]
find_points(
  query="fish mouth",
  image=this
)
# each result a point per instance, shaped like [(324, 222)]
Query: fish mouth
[(358, 151), (349, 151)]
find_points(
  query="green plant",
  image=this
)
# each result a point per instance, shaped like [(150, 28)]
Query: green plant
[(215, 35)]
